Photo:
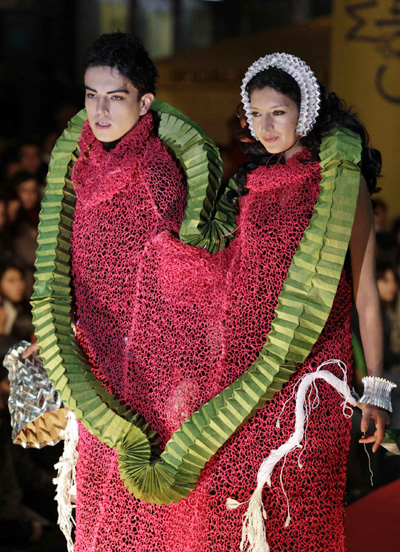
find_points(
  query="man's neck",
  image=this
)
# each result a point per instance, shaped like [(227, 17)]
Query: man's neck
[(108, 146)]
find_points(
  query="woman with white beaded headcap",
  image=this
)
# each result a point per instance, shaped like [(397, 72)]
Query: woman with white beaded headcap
[(305, 145)]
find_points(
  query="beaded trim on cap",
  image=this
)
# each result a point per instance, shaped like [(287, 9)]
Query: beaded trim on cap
[(302, 74)]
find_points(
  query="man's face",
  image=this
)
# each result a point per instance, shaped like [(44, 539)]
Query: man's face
[(112, 103)]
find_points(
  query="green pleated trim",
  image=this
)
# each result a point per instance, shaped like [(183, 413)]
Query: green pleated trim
[(203, 225), (302, 311)]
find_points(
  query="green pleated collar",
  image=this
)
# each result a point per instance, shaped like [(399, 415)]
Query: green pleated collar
[(303, 307)]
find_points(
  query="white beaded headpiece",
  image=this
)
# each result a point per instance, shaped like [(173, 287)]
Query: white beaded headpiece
[(302, 74)]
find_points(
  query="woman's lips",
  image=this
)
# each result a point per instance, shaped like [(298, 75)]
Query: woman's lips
[(271, 139)]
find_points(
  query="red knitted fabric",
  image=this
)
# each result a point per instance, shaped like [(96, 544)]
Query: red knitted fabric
[(168, 326)]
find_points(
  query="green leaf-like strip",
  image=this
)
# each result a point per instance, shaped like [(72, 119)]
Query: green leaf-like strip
[(302, 311), (199, 157)]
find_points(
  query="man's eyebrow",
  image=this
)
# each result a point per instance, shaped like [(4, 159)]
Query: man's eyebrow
[(125, 90)]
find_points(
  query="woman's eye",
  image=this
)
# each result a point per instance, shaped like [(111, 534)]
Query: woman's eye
[(90, 96), (278, 112), (255, 114)]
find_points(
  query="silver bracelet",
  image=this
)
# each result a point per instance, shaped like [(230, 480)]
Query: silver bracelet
[(377, 392)]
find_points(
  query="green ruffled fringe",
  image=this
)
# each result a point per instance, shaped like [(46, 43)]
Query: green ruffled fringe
[(302, 311), (203, 225)]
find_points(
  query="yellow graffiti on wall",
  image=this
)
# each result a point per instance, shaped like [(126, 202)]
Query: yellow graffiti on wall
[(366, 73)]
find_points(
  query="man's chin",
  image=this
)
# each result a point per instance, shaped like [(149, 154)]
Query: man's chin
[(109, 134), (105, 135)]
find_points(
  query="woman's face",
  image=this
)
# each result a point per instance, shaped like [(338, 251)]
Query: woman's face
[(275, 120), (30, 158), (12, 285), (28, 194), (387, 286)]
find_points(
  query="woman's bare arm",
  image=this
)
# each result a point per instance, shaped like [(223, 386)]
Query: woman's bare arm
[(362, 253)]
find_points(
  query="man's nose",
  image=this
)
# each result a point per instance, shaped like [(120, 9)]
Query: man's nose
[(102, 105)]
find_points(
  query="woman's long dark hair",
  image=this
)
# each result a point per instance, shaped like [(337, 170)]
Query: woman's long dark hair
[(333, 113)]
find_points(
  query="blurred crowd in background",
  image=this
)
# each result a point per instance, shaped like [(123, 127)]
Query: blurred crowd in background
[(28, 511), (27, 507), (388, 277)]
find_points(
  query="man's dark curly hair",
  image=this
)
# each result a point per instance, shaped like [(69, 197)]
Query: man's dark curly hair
[(126, 54)]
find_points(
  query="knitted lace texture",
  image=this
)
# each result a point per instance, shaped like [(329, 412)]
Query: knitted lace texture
[(166, 327)]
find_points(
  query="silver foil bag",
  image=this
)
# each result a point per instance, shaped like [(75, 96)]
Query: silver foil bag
[(38, 417)]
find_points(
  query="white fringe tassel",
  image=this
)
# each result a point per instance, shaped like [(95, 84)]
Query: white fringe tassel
[(65, 480), (253, 533)]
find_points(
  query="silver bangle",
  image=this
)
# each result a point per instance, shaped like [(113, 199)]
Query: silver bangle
[(377, 392)]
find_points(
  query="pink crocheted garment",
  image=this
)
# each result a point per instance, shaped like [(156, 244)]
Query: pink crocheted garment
[(168, 326)]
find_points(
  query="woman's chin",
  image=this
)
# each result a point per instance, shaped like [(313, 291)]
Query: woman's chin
[(272, 149)]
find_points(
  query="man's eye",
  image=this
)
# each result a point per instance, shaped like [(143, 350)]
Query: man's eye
[(118, 98), (90, 95)]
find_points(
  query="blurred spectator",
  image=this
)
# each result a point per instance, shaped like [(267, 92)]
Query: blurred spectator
[(25, 219), (396, 233), (9, 163), (13, 207), (397, 264), (3, 214), (30, 159), (26, 187), (380, 215), (395, 334), (5, 241), (64, 113), (388, 293), (12, 168), (15, 312), (384, 240)]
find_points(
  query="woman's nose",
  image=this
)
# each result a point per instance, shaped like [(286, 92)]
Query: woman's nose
[(267, 123)]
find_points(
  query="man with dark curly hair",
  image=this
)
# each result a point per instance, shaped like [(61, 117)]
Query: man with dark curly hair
[(128, 187)]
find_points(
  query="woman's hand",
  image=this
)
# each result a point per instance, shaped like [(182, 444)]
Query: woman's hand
[(381, 419), (34, 348)]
